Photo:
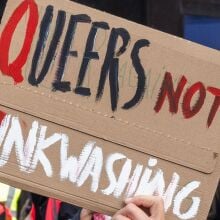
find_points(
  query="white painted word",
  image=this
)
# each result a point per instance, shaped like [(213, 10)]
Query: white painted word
[(90, 163)]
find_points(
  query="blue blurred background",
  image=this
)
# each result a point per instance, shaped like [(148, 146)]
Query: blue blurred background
[(203, 30)]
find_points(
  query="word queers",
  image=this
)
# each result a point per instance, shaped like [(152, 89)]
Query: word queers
[(110, 66)]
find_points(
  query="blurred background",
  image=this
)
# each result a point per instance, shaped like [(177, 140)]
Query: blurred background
[(195, 20)]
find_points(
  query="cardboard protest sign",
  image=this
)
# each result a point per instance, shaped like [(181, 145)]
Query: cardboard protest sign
[(95, 109)]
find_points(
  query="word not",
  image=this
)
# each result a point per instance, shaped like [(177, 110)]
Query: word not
[(189, 111), (90, 163)]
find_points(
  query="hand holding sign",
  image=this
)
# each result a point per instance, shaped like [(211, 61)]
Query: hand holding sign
[(154, 207)]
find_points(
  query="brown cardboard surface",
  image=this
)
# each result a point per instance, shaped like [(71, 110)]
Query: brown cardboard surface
[(175, 141)]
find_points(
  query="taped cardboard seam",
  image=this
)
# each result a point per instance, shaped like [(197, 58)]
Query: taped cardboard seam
[(126, 145), (170, 137)]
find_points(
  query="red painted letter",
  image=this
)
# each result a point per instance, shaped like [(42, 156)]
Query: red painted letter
[(168, 90), (14, 69), (215, 106), (189, 111), (2, 116)]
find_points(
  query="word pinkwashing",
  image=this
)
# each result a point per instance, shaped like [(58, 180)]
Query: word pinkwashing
[(90, 164)]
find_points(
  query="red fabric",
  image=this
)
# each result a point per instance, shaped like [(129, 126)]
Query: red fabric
[(53, 207), (8, 215), (33, 214), (2, 210), (5, 211), (97, 216)]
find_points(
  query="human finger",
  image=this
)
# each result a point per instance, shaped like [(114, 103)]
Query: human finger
[(119, 217), (131, 211), (86, 214), (153, 203)]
